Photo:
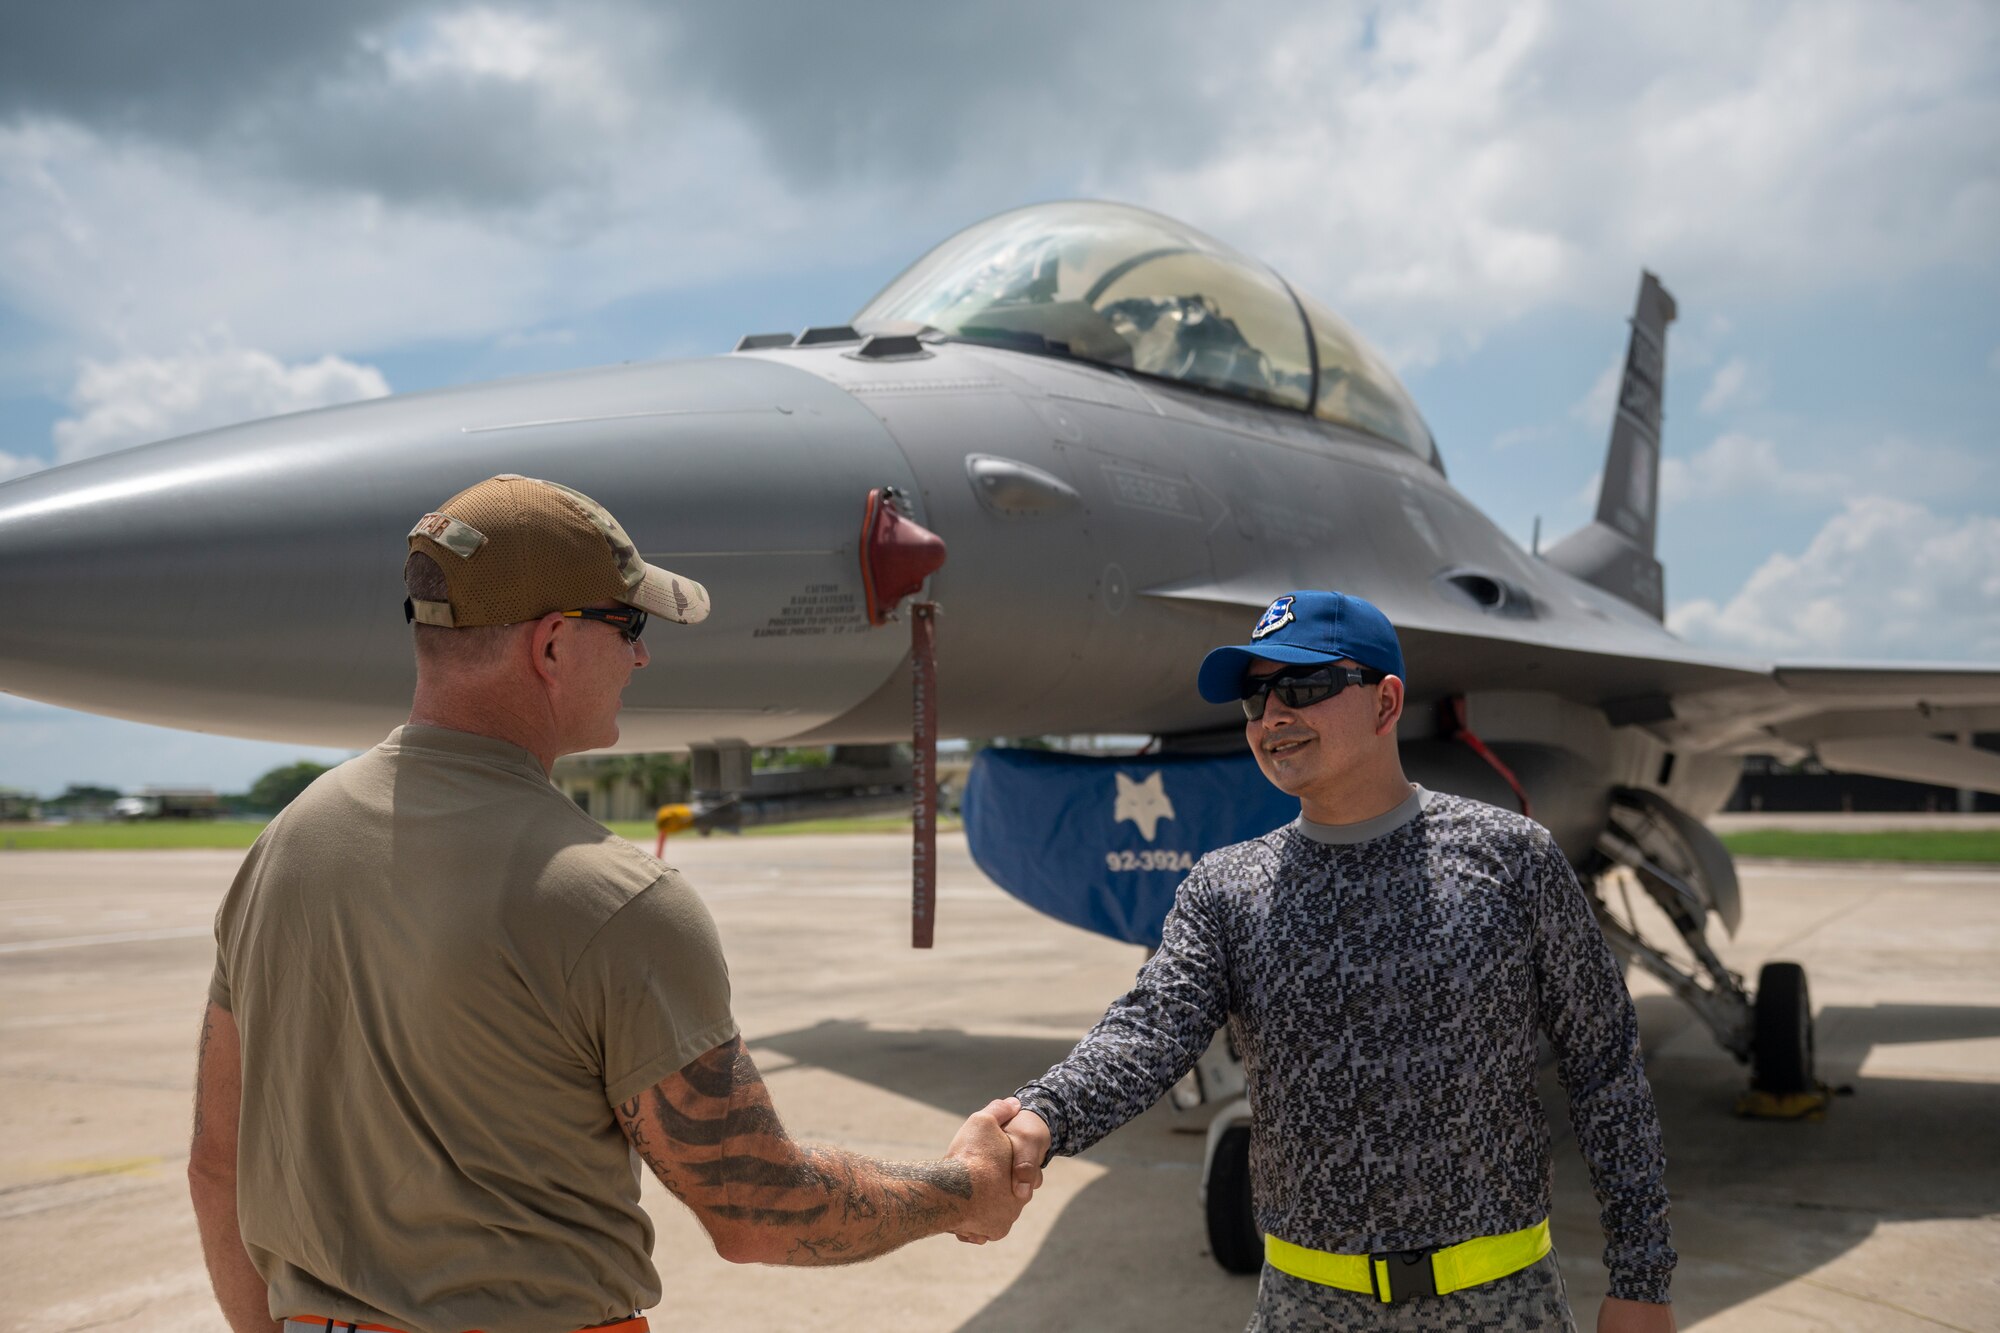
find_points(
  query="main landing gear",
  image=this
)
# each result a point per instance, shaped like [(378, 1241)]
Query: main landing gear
[(1783, 1083), (1688, 874)]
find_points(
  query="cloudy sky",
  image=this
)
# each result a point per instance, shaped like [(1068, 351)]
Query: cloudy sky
[(213, 210)]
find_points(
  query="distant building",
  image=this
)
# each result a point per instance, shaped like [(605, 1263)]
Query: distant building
[(19, 805), (614, 787), (168, 803)]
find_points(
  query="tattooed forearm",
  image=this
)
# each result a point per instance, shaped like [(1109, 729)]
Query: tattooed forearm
[(882, 1205), (771, 1217), (713, 1138), (953, 1178), (808, 1250)]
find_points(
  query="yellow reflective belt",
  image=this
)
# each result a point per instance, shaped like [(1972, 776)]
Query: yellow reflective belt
[(1349, 1272), (1455, 1267), (1489, 1257)]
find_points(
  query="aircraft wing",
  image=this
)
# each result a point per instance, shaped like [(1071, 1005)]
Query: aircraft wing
[(1888, 720), (1892, 720)]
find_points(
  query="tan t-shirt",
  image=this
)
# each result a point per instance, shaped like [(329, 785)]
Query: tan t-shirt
[(445, 975)]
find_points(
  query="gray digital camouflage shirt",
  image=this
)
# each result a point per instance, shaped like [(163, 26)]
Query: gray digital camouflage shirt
[(1384, 984)]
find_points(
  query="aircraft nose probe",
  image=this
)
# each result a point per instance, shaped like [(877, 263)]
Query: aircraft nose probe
[(897, 555)]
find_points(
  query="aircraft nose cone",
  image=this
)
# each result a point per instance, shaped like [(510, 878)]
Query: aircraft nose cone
[(249, 581), (144, 583)]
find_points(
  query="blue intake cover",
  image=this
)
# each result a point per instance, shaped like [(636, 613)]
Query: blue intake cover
[(1103, 843)]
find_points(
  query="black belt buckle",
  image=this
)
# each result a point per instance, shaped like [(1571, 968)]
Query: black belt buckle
[(1410, 1275)]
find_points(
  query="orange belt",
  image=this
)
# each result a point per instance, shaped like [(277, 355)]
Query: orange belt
[(636, 1324)]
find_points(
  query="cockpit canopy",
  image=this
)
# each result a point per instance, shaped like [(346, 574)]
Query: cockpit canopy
[(1124, 287)]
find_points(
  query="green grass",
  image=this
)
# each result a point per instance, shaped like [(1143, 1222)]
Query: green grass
[(1952, 845), (643, 830), (145, 835)]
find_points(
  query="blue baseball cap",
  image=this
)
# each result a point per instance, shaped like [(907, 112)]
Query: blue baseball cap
[(1305, 629)]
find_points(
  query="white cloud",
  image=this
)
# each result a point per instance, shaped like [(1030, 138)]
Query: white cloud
[(1732, 386), (1923, 469), (1587, 496), (295, 271), (143, 398), (1519, 435), (1883, 579), (19, 465), (1694, 344), (482, 41), (535, 338), (1434, 169), (1594, 409), (1737, 465), (1483, 160)]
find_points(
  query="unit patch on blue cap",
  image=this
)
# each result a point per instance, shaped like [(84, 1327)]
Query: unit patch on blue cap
[(1275, 617)]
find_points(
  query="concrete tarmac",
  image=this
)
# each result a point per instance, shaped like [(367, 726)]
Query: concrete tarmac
[(1884, 1216)]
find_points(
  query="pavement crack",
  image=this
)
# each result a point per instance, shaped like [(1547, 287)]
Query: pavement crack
[(108, 1320), (1825, 921), (95, 1080), (125, 1167)]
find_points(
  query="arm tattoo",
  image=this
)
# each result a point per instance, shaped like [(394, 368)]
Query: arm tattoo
[(715, 1141)]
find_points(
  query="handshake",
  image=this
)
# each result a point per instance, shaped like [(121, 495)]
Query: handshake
[(1002, 1148)]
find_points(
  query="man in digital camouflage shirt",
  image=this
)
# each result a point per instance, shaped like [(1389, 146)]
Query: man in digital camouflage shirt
[(1385, 963)]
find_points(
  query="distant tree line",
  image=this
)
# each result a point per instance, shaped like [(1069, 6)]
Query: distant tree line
[(281, 786), (267, 795)]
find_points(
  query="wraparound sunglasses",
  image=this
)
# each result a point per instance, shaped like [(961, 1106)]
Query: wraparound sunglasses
[(629, 621), (1304, 687)]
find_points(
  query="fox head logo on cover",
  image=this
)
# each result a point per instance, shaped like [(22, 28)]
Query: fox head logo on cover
[(1144, 803)]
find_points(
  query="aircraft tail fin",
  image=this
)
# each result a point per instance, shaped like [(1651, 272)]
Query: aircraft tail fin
[(1615, 551)]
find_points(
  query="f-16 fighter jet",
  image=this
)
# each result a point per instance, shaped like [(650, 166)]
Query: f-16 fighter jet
[(1131, 439)]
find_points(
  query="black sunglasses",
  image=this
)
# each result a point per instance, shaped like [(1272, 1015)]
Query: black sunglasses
[(1303, 688), (629, 621)]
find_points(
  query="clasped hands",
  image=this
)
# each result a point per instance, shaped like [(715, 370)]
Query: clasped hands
[(1003, 1147)]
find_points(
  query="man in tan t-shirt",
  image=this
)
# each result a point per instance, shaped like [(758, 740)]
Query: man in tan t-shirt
[(447, 1005)]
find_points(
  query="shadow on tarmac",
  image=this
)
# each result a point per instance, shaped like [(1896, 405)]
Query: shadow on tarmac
[(1756, 1204), (1128, 1252), (1759, 1203)]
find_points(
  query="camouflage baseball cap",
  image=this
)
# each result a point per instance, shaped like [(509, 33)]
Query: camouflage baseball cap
[(514, 548)]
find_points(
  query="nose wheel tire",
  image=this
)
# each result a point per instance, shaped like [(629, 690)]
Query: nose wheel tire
[(1233, 1237), (1781, 1060)]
